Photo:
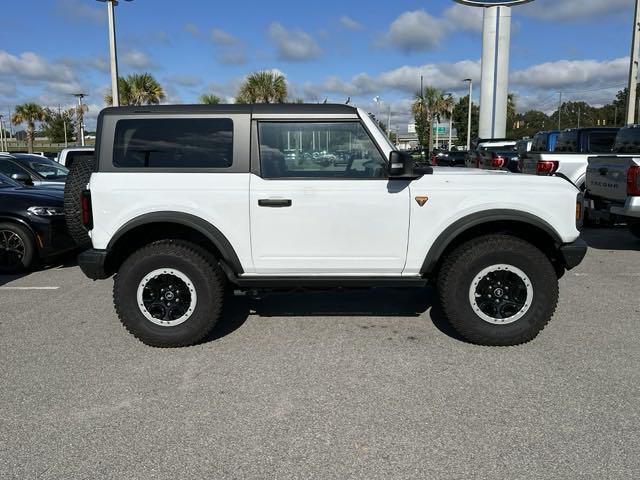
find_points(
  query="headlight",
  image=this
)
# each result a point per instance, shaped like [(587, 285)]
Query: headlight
[(46, 211)]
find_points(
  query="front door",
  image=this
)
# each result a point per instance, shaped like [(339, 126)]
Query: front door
[(323, 205)]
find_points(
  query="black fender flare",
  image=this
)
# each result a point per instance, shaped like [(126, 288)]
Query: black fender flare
[(222, 244), (475, 219)]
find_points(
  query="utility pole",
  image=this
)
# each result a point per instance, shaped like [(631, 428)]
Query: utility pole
[(633, 67), (64, 126), (578, 117), (80, 116), (560, 111), (470, 108), (3, 146), (389, 122)]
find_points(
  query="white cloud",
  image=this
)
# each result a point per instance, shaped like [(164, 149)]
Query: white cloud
[(136, 59), (350, 24), (32, 66), (80, 10), (220, 37), (232, 57), (572, 74), (567, 10), (415, 31), (185, 80), (462, 17), (405, 79), (192, 29), (293, 45)]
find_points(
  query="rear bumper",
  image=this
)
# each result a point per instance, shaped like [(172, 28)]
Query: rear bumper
[(631, 208), (573, 253), (92, 263)]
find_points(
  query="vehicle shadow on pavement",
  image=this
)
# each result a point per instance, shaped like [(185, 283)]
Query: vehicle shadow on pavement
[(613, 238), (64, 261), (378, 302)]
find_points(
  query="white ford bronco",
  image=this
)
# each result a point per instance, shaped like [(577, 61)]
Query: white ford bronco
[(186, 203)]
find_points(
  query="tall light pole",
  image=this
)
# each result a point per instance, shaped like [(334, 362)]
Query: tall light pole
[(633, 67), (80, 116), (470, 81), (113, 51)]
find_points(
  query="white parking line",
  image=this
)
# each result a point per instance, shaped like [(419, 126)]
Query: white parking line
[(29, 288)]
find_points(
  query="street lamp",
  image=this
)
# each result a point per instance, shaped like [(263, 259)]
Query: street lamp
[(470, 81), (113, 53), (80, 115), (3, 144)]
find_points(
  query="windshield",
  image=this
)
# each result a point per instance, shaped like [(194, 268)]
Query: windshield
[(44, 167)]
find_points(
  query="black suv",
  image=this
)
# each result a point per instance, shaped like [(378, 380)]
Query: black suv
[(32, 225)]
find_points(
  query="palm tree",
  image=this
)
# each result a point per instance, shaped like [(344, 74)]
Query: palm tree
[(426, 108), (138, 89), (210, 99), (29, 113), (263, 87)]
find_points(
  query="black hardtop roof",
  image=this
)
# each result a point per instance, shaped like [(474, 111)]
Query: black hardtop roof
[(262, 108)]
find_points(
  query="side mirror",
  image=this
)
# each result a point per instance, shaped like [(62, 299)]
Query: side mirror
[(400, 165), (22, 178)]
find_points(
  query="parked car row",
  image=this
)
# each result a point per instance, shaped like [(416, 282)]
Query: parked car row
[(32, 217)]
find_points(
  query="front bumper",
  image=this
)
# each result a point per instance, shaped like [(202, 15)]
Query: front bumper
[(573, 253), (52, 236), (631, 208), (92, 263)]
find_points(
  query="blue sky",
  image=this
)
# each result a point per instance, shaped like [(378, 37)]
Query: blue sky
[(331, 49)]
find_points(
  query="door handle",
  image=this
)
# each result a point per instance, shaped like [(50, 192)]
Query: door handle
[(274, 203)]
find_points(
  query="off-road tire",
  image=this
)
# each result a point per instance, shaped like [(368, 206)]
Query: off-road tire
[(464, 263), (30, 254), (199, 266), (77, 180), (634, 228)]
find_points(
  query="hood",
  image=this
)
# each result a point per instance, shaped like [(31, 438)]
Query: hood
[(44, 197)]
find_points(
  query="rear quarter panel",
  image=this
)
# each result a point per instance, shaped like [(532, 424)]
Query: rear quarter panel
[(222, 199)]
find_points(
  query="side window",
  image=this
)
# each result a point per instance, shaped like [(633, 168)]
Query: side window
[(318, 150), (601, 142), (9, 168), (184, 143)]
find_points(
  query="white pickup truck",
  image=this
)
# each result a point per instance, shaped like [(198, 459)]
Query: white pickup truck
[(184, 203), (570, 158), (613, 181)]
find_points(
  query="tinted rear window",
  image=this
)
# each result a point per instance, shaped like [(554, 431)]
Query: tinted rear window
[(601, 142), (568, 142), (540, 142), (174, 143), (627, 141)]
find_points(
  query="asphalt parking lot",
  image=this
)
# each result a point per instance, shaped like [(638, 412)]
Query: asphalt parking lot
[(323, 385)]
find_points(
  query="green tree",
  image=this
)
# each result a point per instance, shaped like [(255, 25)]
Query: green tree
[(529, 123), (575, 114), (28, 113), (427, 108), (461, 118), (55, 124), (210, 99), (138, 89), (263, 87)]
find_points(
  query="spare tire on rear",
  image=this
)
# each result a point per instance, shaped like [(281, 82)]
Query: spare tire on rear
[(77, 180)]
